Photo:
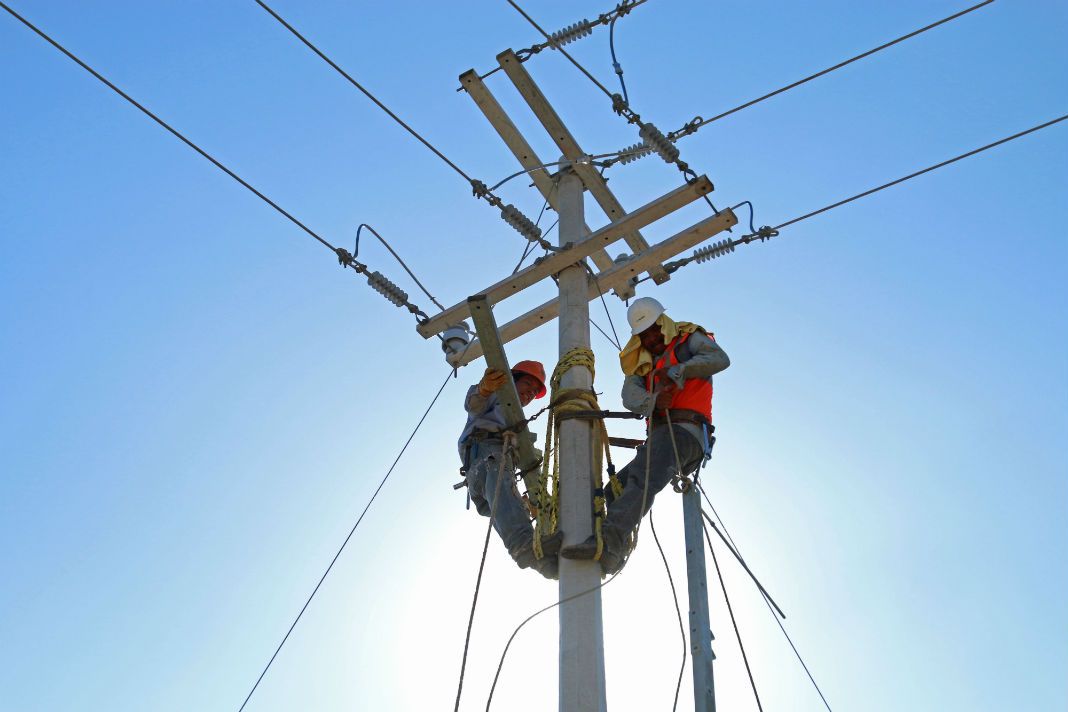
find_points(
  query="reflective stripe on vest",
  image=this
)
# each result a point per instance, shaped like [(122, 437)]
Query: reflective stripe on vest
[(696, 393)]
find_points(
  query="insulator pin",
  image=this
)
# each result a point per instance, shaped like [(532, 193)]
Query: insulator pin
[(634, 152), (659, 143), (716, 249), (570, 33), (522, 224), (389, 290)]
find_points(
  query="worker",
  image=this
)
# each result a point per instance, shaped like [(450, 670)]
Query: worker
[(668, 367), (481, 449)]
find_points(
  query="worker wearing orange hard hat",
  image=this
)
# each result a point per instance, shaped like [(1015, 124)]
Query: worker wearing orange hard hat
[(668, 367), (481, 448)]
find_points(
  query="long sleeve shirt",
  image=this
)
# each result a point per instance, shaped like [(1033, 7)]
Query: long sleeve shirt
[(706, 359)]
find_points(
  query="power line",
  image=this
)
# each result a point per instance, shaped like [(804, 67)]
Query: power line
[(925, 170), (344, 543), (726, 246), (479, 188), (167, 126), (698, 122), (356, 84)]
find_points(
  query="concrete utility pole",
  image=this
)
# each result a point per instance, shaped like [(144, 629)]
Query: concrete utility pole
[(582, 679)]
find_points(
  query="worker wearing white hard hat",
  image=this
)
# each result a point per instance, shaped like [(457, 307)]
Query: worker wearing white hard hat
[(668, 366)]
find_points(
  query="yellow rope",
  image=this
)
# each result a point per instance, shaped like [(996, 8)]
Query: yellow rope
[(547, 496)]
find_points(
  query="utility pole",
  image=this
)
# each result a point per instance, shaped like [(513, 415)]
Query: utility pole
[(582, 679), (582, 660)]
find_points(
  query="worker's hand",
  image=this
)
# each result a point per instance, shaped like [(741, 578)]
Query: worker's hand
[(662, 381), (491, 381), (663, 400)]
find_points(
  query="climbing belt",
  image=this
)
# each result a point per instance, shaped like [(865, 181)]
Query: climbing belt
[(547, 494)]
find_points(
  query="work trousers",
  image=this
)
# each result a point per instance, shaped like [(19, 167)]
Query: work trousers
[(511, 519), (625, 511)]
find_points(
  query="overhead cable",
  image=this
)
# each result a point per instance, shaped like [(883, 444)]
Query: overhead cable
[(925, 170), (344, 543), (726, 246), (698, 122), (479, 189), (378, 281), (167, 126)]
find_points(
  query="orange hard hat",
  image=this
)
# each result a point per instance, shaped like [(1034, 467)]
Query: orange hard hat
[(532, 368)]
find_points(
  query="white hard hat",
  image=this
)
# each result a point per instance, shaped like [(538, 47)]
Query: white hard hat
[(643, 313)]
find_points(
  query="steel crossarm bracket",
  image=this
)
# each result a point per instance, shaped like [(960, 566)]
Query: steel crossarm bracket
[(570, 149), (557, 261), (524, 153), (490, 339), (690, 237)]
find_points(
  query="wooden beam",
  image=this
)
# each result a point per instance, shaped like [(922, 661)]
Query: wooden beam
[(556, 261), (524, 153), (490, 339), (605, 281), (570, 149)]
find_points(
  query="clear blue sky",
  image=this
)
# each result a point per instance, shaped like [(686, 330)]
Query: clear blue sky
[(197, 401)]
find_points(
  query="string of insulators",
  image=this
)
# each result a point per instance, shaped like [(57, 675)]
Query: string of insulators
[(570, 33), (388, 289), (711, 252), (634, 152), (659, 143), (522, 224)]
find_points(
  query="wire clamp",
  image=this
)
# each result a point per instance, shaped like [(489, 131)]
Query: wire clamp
[(344, 258), (619, 104), (478, 188)]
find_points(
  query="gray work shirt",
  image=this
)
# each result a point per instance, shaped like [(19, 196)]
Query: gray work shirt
[(482, 413)]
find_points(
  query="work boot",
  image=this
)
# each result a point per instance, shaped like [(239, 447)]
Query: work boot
[(548, 566), (523, 553), (612, 551)]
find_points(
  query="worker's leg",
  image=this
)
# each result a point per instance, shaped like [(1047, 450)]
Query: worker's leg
[(511, 519), (625, 511)]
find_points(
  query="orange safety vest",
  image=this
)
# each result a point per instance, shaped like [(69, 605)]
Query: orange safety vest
[(696, 393)]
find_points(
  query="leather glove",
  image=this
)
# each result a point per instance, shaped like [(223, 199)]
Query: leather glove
[(491, 381)]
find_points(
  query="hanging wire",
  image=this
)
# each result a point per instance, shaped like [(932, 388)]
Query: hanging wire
[(698, 122), (734, 622), (356, 251), (767, 601), (678, 611), (482, 564), (615, 63), (452, 372)]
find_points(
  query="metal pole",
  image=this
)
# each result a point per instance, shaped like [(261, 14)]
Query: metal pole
[(704, 692), (582, 681)]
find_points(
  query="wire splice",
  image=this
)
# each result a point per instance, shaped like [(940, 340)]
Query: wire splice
[(570, 34), (659, 143), (522, 224), (387, 288)]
